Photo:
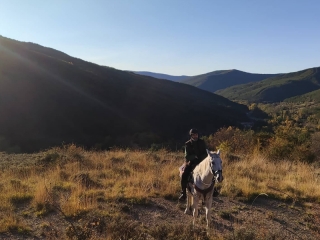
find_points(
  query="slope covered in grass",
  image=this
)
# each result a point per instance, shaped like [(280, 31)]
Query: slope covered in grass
[(48, 97), (313, 96)]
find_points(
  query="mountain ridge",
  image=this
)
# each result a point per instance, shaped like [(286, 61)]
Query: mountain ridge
[(162, 76), (221, 79), (276, 89)]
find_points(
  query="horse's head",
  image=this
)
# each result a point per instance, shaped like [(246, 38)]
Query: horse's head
[(216, 164)]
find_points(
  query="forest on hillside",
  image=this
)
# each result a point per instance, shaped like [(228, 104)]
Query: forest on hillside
[(284, 130)]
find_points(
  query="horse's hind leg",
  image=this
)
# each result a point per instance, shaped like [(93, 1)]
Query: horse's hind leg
[(188, 204)]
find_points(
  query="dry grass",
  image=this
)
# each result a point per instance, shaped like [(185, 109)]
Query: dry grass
[(284, 179), (73, 181)]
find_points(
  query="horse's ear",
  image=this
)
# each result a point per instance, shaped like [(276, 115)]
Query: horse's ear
[(218, 152), (208, 152)]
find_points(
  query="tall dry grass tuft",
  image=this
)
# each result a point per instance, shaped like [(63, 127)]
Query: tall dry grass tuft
[(9, 222)]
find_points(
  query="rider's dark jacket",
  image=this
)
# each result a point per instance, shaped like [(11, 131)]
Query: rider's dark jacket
[(195, 151)]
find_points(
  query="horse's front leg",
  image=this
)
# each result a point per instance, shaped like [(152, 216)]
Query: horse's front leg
[(195, 208), (188, 204), (208, 209)]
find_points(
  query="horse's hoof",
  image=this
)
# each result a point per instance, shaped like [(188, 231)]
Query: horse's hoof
[(187, 212)]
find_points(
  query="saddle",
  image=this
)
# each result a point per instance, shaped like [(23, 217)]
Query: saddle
[(181, 170)]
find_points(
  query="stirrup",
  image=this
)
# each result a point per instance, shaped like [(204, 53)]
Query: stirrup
[(183, 197)]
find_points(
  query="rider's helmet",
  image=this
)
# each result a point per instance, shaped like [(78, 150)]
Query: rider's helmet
[(192, 131)]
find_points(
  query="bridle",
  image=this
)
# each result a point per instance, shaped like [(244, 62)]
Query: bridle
[(215, 173), (218, 173)]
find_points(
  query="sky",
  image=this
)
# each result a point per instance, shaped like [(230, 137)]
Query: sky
[(175, 37)]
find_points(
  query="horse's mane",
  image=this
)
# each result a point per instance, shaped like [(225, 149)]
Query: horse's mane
[(202, 167)]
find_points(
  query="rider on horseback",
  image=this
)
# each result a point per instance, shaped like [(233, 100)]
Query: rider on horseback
[(195, 152)]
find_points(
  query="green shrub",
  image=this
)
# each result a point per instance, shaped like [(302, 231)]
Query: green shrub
[(21, 198)]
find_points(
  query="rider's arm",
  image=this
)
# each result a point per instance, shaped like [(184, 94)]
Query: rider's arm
[(204, 148), (189, 155)]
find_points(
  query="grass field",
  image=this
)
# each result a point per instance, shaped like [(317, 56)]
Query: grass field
[(74, 183)]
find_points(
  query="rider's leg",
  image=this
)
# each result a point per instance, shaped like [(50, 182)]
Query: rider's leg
[(184, 181)]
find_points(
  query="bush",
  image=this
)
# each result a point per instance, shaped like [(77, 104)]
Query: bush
[(315, 145), (20, 198), (232, 140), (290, 142)]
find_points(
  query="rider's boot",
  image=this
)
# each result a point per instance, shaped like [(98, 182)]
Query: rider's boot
[(183, 196)]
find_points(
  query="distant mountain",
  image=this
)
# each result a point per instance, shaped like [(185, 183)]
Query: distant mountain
[(221, 79), (162, 76), (48, 97), (276, 89)]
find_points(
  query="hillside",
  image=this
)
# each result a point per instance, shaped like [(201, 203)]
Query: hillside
[(48, 97), (276, 89), (313, 96), (162, 76), (217, 80)]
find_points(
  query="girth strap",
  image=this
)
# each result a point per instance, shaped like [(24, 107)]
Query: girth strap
[(204, 191)]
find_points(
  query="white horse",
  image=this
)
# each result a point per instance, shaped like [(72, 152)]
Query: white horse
[(203, 183)]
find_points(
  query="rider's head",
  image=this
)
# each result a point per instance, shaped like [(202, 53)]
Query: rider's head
[(194, 134)]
